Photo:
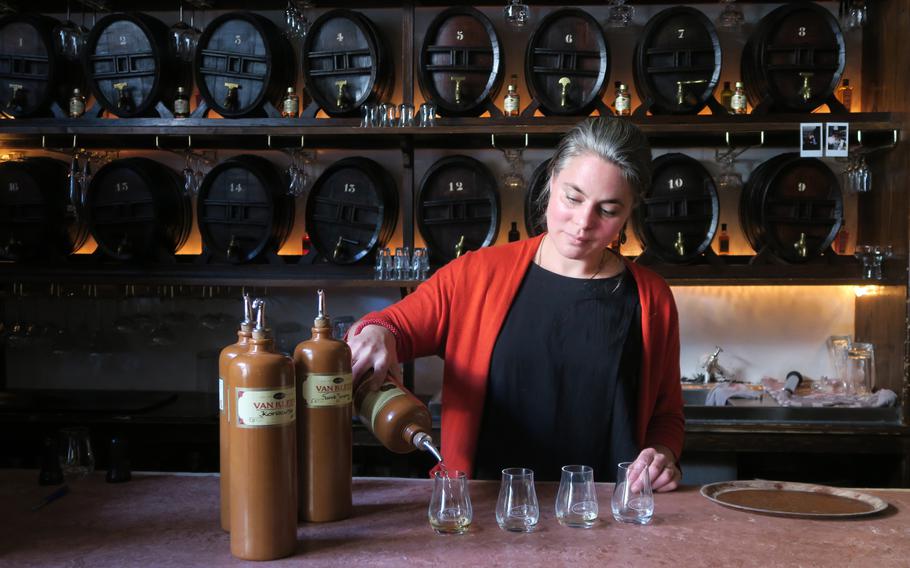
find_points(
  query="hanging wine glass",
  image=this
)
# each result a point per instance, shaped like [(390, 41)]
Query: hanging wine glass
[(513, 179), (619, 15), (69, 37), (728, 179), (189, 175), (516, 14), (184, 36), (731, 17)]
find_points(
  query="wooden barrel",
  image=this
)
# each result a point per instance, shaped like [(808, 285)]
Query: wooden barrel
[(792, 206), (677, 218), (136, 208), (37, 216), (457, 203), (534, 222), (794, 43), (352, 210), (243, 209), (345, 63), (460, 62), (129, 65), (32, 73), (677, 61), (567, 53), (242, 62)]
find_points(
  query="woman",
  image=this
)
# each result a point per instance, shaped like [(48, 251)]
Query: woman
[(557, 350)]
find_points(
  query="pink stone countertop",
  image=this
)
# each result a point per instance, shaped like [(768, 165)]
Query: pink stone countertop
[(163, 520)]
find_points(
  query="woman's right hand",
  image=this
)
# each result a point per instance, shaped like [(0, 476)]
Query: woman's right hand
[(373, 356)]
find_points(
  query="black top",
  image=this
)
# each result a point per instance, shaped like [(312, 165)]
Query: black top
[(563, 378)]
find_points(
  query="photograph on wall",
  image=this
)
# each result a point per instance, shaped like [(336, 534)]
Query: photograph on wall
[(810, 140), (837, 136)]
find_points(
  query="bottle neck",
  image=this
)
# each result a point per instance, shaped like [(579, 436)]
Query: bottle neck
[(321, 333), (260, 345)]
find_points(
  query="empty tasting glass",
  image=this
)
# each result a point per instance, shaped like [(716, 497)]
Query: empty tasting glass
[(517, 509), (383, 267), (427, 115), (387, 115), (620, 15), (872, 258), (860, 368), (632, 501), (576, 500), (405, 115), (420, 264), (76, 456), (402, 263), (367, 115), (450, 510), (838, 345), (516, 14)]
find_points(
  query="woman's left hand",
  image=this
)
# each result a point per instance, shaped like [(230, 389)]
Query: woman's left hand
[(662, 470)]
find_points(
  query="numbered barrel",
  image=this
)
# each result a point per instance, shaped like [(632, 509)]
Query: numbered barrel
[(32, 73), (37, 216), (461, 62), (567, 63), (129, 65), (352, 210), (243, 209), (795, 58), (345, 63), (677, 62), (535, 223), (678, 216), (793, 207), (136, 209), (243, 62), (457, 207)]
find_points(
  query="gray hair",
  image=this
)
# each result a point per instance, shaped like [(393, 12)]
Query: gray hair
[(614, 140)]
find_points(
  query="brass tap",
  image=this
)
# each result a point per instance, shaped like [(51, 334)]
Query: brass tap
[(18, 98), (123, 99), (338, 248), (458, 81), (231, 100), (802, 249), (679, 245), (680, 92), (564, 83), (339, 100), (459, 246), (806, 90)]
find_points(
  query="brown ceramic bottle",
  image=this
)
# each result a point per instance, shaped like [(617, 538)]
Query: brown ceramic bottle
[(263, 449), (324, 385), (224, 360), (396, 417)]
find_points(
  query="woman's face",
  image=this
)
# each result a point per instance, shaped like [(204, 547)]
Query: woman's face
[(589, 204)]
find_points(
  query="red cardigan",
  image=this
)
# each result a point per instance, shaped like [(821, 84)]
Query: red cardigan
[(458, 313)]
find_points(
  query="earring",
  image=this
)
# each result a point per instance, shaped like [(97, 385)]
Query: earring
[(622, 235)]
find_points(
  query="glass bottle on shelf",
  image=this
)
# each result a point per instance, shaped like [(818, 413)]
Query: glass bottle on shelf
[(514, 235), (723, 240), (511, 103), (844, 94), (726, 97), (181, 104), (738, 100), (77, 104), (840, 240), (290, 105), (622, 104)]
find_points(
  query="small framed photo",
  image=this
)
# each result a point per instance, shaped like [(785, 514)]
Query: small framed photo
[(837, 139), (810, 140)]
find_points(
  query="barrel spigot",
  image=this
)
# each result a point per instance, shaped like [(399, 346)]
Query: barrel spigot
[(233, 249), (459, 246), (17, 100), (564, 92), (339, 96), (681, 92), (123, 97), (458, 80), (806, 90), (679, 244), (231, 98), (802, 249)]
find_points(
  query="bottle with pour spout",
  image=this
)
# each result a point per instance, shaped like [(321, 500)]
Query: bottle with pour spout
[(324, 386), (224, 360), (263, 449)]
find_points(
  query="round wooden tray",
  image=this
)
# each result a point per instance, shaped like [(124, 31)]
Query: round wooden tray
[(787, 499)]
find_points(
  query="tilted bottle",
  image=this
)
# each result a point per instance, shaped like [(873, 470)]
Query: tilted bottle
[(396, 417), (224, 360), (324, 385), (263, 449)]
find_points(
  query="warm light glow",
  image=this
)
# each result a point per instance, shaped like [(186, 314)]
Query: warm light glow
[(869, 290)]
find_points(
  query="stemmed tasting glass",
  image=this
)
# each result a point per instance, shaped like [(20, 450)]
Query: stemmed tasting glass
[(184, 36), (70, 37)]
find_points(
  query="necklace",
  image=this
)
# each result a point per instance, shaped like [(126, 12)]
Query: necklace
[(538, 260)]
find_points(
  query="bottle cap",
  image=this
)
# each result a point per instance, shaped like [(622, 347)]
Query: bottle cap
[(181, 90), (723, 226), (739, 84), (75, 91), (290, 90), (726, 84), (617, 84)]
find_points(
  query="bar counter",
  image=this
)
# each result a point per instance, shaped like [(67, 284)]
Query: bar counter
[(167, 520)]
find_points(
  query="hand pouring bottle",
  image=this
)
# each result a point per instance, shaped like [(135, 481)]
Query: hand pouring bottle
[(263, 449), (224, 360), (324, 385)]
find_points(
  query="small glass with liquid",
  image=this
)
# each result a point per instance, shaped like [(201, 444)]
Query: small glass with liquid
[(450, 510), (576, 499)]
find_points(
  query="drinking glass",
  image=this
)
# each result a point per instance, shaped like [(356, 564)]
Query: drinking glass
[(860, 371), (516, 508), (383, 267), (731, 17), (427, 115), (367, 115), (76, 457), (402, 263), (450, 509), (420, 264), (838, 345), (632, 500), (620, 15), (405, 115), (576, 499), (516, 14), (184, 37)]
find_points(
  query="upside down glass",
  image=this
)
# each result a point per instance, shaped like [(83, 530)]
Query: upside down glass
[(450, 510), (517, 509), (860, 368), (632, 500), (576, 500)]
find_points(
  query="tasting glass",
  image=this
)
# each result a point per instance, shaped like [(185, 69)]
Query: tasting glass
[(450, 510), (517, 509), (632, 500), (576, 499), (405, 115), (402, 263), (516, 14), (367, 115), (76, 456), (619, 15), (382, 270), (387, 115), (427, 115), (420, 264), (860, 368), (838, 345), (731, 17)]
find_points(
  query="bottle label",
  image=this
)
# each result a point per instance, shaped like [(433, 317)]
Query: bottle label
[(182, 106), (265, 407), (291, 107), (327, 389), (77, 107), (510, 104), (220, 394), (738, 102), (372, 404), (623, 103)]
